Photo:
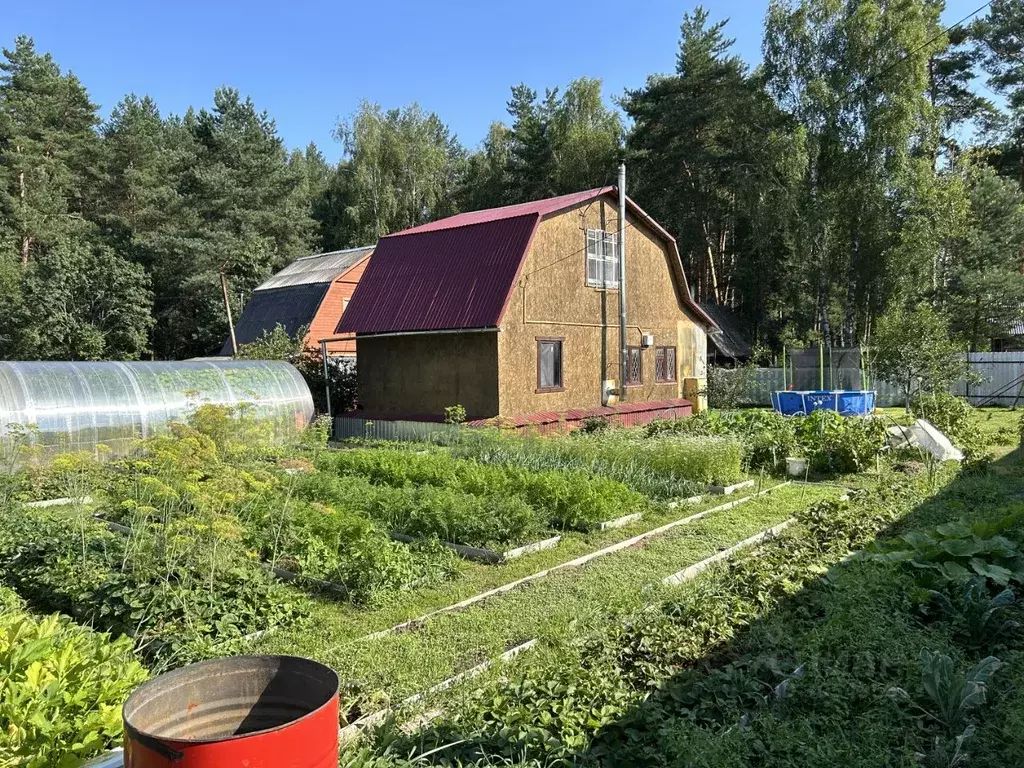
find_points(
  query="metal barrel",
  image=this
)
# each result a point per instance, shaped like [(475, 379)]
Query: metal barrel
[(255, 711)]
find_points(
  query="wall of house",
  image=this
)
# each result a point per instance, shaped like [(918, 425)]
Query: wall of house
[(331, 308), (552, 299), (420, 375)]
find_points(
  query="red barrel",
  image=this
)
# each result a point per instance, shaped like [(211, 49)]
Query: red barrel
[(237, 712)]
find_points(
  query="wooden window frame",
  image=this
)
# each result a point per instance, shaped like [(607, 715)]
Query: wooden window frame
[(640, 365), (560, 340), (669, 373)]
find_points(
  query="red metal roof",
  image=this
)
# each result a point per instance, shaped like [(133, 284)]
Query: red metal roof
[(458, 273)]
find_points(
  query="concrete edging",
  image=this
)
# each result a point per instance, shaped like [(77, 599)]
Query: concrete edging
[(616, 547)]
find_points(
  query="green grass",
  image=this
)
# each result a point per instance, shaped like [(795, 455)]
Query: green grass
[(855, 634), (555, 608)]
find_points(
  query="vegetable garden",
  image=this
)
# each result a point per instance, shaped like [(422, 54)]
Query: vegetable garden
[(482, 579)]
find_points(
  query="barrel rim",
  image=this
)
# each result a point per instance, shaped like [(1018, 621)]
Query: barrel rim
[(181, 671)]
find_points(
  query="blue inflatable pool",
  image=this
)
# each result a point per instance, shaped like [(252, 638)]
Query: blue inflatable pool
[(845, 402)]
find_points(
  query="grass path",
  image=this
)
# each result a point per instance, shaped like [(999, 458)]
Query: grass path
[(349, 621), (564, 605)]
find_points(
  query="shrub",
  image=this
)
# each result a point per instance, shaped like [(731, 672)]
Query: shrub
[(334, 541), (566, 499), (62, 689), (176, 597), (839, 445), (949, 414)]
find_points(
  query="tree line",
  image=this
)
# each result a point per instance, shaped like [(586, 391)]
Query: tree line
[(873, 161)]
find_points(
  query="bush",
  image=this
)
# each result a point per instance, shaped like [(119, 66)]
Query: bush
[(174, 595), (840, 445), (565, 499), (949, 414), (62, 689)]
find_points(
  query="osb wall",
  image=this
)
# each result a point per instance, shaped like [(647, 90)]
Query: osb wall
[(552, 300), (329, 314), (421, 375)]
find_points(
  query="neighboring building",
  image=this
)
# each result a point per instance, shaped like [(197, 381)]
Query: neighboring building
[(514, 312), (1013, 341), (729, 344), (311, 292)]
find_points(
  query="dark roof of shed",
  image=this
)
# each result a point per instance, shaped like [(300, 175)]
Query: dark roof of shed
[(291, 307), (292, 297), (729, 338), (458, 273)]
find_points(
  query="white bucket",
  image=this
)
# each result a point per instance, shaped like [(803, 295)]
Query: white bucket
[(796, 467)]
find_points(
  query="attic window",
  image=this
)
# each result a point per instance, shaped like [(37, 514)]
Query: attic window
[(602, 259)]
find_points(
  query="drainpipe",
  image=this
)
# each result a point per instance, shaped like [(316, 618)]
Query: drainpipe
[(623, 352)]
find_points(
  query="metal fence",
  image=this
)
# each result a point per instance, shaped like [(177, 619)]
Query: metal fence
[(1002, 383), (346, 427)]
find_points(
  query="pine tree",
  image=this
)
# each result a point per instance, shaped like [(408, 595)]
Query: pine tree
[(1001, 35), (983, 287), (48, 147), (244, 213)]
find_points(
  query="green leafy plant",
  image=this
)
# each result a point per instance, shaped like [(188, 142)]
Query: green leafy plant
[(949, 696), (957, 552), (976, 615), (454, 414), (62, 689)]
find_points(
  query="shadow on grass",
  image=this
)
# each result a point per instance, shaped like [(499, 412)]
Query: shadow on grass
[(808, 683)]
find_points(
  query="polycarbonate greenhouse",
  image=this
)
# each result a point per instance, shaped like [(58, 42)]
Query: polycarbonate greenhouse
[(78, 406)]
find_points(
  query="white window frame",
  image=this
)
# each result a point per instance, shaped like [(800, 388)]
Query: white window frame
[(602, 259)]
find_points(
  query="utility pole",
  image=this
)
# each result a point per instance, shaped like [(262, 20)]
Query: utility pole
[(624, 351), (227, 308)]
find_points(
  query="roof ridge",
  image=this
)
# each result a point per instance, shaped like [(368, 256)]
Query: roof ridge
[(332, 253)]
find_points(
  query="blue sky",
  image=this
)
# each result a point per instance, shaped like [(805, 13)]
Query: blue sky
[(308, 63)]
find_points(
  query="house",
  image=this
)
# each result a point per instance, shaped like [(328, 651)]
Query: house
[(312, 292), (729, 345), (513, 313)]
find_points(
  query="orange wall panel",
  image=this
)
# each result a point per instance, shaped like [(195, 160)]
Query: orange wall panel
[(331, 308)]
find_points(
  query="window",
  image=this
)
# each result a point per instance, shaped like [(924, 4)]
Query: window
[(664, 364), (549, 365), (634, 366), (602, 259)]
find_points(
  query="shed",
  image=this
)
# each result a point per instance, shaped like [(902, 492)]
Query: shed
[(729, 344), (312, 292), (514, 311)]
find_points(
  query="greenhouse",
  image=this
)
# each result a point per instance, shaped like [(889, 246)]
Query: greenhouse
[(71, 406)]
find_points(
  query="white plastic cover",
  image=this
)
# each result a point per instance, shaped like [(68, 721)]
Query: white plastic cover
[(78, 406)]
